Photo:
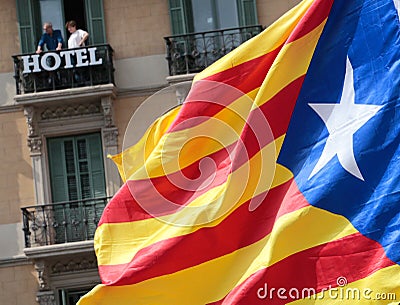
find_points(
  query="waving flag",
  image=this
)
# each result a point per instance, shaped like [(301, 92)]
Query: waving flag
[(277, 181)]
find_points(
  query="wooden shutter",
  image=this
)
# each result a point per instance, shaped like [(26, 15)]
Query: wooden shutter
[(59, 185), (247, 12), (96, 166), (95, 21), (97, 181), (58, 177), (28, 14)]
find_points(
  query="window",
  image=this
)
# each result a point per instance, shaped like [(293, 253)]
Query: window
[(33, 13), (71, 296), (76, 176), (188, 16), (76, 167), (205, 30)]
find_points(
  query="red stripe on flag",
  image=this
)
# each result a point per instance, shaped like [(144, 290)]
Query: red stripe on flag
[(167, 194), (244, 228), (209, 96), (274, 114), (123, 208), (314, 16), (248, 75), (244, 77), (353, 257)]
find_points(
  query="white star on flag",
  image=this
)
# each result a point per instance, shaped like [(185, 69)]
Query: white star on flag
[(343, 120), (397, 5)]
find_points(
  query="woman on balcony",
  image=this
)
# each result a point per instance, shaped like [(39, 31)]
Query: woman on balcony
[(78, 36)]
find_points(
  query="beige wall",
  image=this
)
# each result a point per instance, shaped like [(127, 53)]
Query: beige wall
[(123, 110), (136, 28), (270, 10), (16, 184), (141, 72), (8, 34), (18, 285)]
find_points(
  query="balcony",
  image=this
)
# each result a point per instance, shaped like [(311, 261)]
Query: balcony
[(68, 68), (63, 222), (191, 53)]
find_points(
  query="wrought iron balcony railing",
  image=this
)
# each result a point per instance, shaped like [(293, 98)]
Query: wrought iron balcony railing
[(191, 53), (68, 68), (62, 222)]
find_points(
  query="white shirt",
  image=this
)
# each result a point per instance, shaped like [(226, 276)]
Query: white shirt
[(75, 38)]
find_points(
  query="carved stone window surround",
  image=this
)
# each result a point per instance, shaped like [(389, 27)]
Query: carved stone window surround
[(69, 112), (63, 266)]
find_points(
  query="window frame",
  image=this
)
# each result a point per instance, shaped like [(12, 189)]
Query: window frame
[(186, 20), (64, 293), (243, 20), (30, 23), (90, 139)]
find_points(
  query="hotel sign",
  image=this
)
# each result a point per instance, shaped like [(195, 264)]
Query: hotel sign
[(51, 61)]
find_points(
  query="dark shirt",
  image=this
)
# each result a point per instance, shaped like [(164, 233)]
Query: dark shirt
[(51, 41)]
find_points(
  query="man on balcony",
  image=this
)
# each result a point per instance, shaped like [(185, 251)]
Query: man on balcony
[(51, 38)]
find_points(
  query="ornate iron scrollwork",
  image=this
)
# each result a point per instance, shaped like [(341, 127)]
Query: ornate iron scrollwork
[(191, 53)]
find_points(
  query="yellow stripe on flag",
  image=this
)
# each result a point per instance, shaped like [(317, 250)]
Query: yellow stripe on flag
[(381, 287), (212, 280), (273, 37), (118, 243), (161, 145), (133, 157), (287, 67), (162, 158)]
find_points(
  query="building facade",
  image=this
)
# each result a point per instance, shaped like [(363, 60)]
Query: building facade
[(62, 113)]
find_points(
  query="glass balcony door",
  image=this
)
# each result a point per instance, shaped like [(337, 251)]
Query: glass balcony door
[(56, 11), (214, 14), (51, 11), (76, 174), (205, 30), (193, 16)]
